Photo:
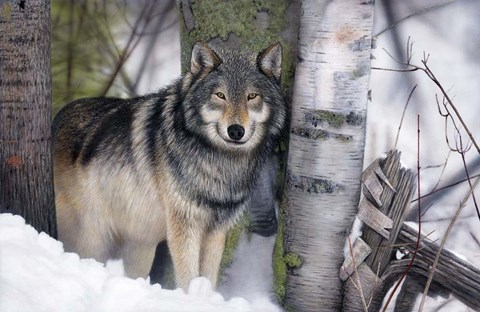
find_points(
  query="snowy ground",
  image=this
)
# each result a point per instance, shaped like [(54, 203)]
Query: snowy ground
[(37, 275)]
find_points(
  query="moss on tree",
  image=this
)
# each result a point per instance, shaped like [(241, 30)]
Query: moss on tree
[(279, 265), (256, 24)]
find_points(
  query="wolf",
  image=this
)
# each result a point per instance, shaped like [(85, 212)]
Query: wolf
[(178, 165)]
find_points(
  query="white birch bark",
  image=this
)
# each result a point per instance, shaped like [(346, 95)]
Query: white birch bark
[(327, 138)]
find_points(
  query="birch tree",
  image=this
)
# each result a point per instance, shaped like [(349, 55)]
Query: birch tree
[(25, 113), (325, 158)]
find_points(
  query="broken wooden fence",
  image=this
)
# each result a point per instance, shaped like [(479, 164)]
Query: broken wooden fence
[(382, 254)]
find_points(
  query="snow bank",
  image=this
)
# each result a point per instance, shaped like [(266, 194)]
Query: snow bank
[(37, 275)]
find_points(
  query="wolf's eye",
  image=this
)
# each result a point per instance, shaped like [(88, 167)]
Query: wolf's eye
[(220, 95), (251, 96)]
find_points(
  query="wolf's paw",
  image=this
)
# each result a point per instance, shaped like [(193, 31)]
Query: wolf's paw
[(200, 287)]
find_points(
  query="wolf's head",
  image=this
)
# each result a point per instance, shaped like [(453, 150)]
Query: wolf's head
[(233, 99)]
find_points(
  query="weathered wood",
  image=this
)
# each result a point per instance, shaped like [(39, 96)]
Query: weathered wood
[(395, 204), (360, 290), (406, 297), (372, 188), (412, 286), (393, 190), (327, 138), (360, 251), (454, 275), (375, 220)]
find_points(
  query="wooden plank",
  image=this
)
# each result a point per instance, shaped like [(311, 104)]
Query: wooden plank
[(383, 225), (396, 199), (371, 178), (360, 291), (372, 188), (408, 293), (456, 276), (374, 219), (360, 251), (452, 276)]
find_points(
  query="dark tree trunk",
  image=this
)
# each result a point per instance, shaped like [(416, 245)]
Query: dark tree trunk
[(26, 165)]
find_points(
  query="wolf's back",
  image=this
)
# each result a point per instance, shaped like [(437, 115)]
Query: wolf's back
[(82, 129)]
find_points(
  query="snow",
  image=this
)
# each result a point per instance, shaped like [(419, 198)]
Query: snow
[(251, 272), (355, 232), (37, 275)]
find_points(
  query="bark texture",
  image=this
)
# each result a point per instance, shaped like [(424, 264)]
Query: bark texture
[(26, 173), (327, 137)]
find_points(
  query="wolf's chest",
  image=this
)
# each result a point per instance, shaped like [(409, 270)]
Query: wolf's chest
[(221, 190)]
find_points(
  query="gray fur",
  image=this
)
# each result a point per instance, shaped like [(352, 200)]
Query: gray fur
[(132, 173)]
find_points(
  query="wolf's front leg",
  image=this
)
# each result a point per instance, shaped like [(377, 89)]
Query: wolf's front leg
[(212, 251), (137, 258), (184, 238)]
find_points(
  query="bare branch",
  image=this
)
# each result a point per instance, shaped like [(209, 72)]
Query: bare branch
[(403, 115), (131, 43), (417, 13), (470, 184), (358, 283), (432, 77), (445, 187)]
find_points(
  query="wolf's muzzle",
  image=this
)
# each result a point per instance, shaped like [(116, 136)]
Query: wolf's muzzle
[(235, 132)]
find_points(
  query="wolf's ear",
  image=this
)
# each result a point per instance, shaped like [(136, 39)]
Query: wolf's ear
[(203, 57), (269, 61)]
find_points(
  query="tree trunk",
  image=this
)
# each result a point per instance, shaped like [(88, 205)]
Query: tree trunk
[(26, 172), (325, 160)]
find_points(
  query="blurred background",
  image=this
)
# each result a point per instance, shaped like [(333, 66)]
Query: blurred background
[(127, 48), (448, 33)]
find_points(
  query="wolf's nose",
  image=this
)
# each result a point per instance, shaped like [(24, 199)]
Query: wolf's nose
[(235, 132)]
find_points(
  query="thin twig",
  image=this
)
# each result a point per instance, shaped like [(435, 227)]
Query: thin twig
[(445, 187), (443, 171), (432, 166), (432, 77), (403, 115), (375, 286), (426, 69), (398, 70), (131, 44), (358, 283), (420, 12), (470, 183), (464, 217)]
